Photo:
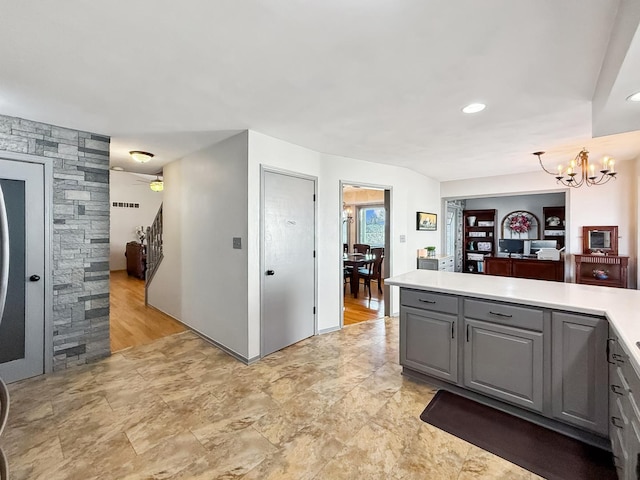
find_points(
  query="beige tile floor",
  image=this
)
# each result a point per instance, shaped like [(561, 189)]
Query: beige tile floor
[(331, 407)]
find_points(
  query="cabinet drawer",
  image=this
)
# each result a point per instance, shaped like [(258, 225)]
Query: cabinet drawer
[(619, 426), (428, 264), (633, 386), (522, 317), (447, 265), (429, 301)]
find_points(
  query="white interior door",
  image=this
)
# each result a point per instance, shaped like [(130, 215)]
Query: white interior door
[(22, 321), (288, 277)]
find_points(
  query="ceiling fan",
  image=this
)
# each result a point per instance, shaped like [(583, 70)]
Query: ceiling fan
[(157, 184)]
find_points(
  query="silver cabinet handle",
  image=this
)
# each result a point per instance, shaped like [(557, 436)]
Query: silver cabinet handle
[(617, 389), (4, 253), (618, 358), (426, 301), (498, 314), (616, 422)]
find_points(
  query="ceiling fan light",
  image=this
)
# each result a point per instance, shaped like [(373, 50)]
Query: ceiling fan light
[(157, 185), (140, 156)]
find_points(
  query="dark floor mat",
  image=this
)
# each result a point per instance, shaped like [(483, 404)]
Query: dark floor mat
[(535, 448)]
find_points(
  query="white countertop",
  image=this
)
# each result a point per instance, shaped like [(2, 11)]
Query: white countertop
[(620, 306)]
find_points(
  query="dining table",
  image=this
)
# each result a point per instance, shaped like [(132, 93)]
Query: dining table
[(356, 260)]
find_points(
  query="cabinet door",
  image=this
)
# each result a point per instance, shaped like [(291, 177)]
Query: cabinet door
[(579, 371), (497, 266), (504, 362), (428, 343)]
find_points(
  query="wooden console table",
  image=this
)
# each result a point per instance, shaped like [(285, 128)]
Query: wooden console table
[(614, 266), (525, 268)]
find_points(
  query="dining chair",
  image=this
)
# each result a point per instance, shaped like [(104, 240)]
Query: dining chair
[(377, 272), (347, 274), (372, 271), (361, 248)]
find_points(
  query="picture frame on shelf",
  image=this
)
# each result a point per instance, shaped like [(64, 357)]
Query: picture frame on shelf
[(426, 221)]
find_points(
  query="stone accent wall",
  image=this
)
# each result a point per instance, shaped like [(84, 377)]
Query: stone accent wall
[(80, 258)]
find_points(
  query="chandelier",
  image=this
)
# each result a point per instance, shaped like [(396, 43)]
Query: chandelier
[(588, 174), (347, 216)]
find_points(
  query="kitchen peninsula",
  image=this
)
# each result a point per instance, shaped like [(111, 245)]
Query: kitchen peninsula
[(548, 352)]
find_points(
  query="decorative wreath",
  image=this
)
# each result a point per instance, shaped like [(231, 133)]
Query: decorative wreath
[(519, 223)]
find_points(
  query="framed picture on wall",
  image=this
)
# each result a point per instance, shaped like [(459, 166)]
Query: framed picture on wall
[(426, 221)]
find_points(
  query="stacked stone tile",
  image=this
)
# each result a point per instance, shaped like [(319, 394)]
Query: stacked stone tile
[(80, 252)]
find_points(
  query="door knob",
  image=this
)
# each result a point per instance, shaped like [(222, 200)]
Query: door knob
[(271, 272), (34, 278)]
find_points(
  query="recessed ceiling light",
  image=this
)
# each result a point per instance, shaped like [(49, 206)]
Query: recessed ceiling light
[(474, 108), (634, 98), (117, 169), (140, 156)]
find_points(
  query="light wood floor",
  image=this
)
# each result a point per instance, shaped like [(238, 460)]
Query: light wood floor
[(361, 309), (132, 323)]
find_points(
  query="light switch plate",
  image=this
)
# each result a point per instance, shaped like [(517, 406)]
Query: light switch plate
[(403, 238), (237, 243)]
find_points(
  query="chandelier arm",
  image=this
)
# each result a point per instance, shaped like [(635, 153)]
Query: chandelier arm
[(538, 154)]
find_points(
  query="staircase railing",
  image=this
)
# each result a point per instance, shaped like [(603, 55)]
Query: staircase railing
[(154, 250)]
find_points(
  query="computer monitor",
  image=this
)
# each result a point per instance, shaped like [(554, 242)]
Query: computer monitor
[(538, 244), (508, 245)]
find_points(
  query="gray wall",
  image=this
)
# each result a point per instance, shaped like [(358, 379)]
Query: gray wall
[(202, 280), (80, 251), (506, 205)]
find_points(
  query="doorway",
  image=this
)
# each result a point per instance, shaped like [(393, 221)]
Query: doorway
[(288, 280), (134, 205), (22, 270), (365, 227)]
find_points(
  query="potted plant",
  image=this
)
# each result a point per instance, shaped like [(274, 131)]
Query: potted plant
[(431, 251)]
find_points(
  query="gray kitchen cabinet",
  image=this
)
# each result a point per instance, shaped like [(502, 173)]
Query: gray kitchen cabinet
[(428, 342), (533, 361), (624, 411), (579, 372), (443, 263), (504, 362)]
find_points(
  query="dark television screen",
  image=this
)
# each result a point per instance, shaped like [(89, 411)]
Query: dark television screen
[(511, 246)]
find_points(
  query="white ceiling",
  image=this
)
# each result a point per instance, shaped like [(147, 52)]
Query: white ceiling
[(378, 80)]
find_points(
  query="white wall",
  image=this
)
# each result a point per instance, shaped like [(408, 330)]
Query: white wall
[(610, 204), (129, 188), (214, 195), (411, 192), (202, 280)]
